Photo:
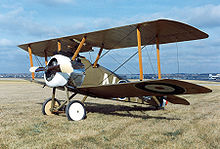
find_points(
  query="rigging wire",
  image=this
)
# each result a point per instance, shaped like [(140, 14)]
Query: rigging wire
[(119, 42), (127, 60), (120, 63), (134, 68), (152, 67), (28, 62), (114, 46), (38, 61)]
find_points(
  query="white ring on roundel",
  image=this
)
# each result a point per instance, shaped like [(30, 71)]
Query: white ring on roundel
[(76, 111), (160, 88)]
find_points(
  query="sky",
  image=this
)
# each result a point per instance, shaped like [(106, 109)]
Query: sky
[(27, 21)]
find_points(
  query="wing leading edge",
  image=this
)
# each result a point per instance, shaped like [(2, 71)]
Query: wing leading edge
[(145, 88)]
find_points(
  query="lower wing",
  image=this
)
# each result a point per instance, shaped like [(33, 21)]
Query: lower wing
[(144, 88)]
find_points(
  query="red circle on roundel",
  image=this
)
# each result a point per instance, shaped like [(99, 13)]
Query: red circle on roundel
[(159, 88)]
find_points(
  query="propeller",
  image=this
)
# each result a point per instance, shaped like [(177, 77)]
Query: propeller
[(57, 68), (64, 67), (47, 68)]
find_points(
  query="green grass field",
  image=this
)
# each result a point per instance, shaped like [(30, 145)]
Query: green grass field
[(109, 124)]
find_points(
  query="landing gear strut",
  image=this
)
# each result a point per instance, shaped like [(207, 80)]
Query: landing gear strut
[(161, 102), (75, 109), (46, 108)]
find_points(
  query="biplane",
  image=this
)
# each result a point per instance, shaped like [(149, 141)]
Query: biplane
[(68, 71)]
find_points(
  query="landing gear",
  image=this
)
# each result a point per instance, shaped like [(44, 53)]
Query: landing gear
[(75, 111), (46, 108), (159, 102)]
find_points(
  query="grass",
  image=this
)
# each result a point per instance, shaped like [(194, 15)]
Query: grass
[(108, 124)]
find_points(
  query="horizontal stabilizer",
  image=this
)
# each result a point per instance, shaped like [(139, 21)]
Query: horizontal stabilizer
[(177, 100)]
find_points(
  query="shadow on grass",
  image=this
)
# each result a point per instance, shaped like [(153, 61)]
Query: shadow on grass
[(125, 111)]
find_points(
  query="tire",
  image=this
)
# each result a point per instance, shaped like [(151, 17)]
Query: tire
[(119, 82), (75, 111), (47, 105)]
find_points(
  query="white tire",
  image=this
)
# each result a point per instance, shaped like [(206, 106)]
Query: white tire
[(75, 111)]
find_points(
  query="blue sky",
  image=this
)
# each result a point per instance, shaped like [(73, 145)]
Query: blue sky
[(34, 20)]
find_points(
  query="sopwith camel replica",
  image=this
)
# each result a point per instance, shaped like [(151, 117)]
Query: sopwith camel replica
[(70, 72)]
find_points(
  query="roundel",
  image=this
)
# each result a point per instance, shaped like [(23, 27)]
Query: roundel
[(161, 88)]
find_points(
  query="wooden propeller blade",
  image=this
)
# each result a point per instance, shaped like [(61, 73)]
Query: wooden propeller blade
[(38, 69), (54, 68)]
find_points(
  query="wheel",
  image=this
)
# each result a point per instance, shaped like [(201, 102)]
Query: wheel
[(75, 111), (47, 105), (122, 81), (162, 100)]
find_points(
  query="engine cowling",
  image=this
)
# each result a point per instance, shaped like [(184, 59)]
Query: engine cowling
[(75, 77)]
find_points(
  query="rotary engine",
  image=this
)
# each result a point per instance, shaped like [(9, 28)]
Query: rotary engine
[(62, 71)]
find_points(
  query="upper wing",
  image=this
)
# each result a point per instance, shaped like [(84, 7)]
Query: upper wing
[(121, 37), (145, 88)]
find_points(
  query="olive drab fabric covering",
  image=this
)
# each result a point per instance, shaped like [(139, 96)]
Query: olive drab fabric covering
[(98, 75)]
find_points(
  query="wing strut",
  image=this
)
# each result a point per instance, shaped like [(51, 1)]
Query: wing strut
[(98, 56), (139, 53), (58, 46), (45, 56), (31, 59), (79, 48), (158, 58)]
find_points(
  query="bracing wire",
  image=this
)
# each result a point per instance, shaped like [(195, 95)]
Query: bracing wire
[(118, 42), (114, 46), (38, 61), (127, 60), (134, 68), (152, 67), (28, 61), (120, 63)]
